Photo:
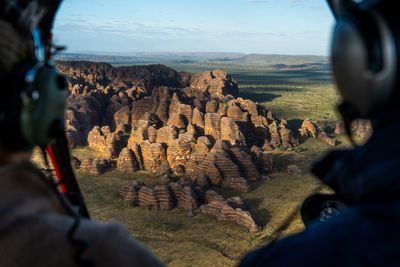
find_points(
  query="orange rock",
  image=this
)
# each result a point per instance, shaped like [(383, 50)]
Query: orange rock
[(212, 125)]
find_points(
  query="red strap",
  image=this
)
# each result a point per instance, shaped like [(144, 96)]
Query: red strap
[(50, 151)]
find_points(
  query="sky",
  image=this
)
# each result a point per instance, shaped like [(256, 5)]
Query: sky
[(292, 27)]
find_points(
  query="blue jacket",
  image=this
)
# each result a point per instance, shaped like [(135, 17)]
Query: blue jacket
[(367, 233)]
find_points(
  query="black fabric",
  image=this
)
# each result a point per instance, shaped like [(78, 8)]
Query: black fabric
[(10, 109), (364, 234)]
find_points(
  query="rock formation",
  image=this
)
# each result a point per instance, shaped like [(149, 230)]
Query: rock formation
[(148, 198), (311, 130), (190, 124), (186, 197), (130, 193), (359, 128), (95, 166), (164, 197), (127, 162), (103, 140), (223, 210)]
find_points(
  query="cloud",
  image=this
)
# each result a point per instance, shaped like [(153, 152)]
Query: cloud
[(321, 7), (291, 3), (132, 29), (123, 28), (259, 1)]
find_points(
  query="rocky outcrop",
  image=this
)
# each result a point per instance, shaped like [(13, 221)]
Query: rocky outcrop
[(103, 140), (191, 199), (148, 198), (245, 163), (153, 155), (178, 153), (236, 183), (122, 120), (262, 160), (191, 125), (311, 130), (95, 166), (184, 197), (216, 83), (230, 132), (223, 210), (164, 197), (104, 76), (212, 126), (130, 193), (194, 144), (127, 162), (360, 128)]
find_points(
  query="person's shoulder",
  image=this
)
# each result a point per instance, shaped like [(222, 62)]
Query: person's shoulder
[(343, 241), (105, 244)]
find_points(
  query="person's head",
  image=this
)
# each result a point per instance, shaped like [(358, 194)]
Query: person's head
[(13, 48), (33, 94), (365, 57)]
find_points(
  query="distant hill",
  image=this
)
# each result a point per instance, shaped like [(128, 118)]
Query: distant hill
[(211, 59), (149, 57), (279, 62), (271, 60)]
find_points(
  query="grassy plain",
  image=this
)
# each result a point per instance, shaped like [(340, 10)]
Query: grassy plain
[(201, 241)]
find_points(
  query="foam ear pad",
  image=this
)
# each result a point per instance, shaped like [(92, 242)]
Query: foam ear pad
[(364, 62)]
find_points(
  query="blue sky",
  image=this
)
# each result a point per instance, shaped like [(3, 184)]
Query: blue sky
[(297, 27)]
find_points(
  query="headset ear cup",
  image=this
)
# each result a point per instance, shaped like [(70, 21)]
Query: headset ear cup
[(349, 63), (363, 82), (45, 111)]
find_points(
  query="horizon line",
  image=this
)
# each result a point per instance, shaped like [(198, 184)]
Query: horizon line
[(105, 53)]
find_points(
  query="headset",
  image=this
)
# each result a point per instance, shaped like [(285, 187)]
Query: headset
[(33, 112), (364, 58)]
